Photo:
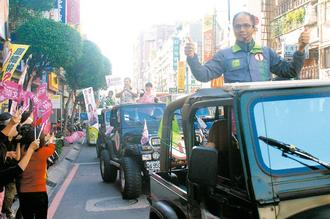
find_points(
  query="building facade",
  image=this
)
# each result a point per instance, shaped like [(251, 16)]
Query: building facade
[(289, 19)]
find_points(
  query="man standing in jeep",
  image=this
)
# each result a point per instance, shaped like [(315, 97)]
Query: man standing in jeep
[(246, 61)]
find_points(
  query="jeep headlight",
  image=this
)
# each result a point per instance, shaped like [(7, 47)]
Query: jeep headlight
[(155, 155), (146, 148), (155, 141)]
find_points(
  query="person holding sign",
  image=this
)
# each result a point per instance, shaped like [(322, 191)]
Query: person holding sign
[(246, 61), (32, 192)]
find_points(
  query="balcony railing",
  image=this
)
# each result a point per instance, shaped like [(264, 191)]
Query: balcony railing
[(309, 72), (287, 5)]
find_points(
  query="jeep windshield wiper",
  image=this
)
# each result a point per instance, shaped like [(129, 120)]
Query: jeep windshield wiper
[(293, 150)]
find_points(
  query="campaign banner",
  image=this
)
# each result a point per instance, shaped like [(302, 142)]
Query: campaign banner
[(113, 81), (14, 56), (90, 107)]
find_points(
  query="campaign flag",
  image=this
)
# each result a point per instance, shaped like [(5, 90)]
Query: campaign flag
[(10, 90), (145, 134), (42, 91), (15, 54)]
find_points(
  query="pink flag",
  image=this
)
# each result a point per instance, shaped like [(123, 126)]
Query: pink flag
[(145, 134), (10, 90), (42, 91)]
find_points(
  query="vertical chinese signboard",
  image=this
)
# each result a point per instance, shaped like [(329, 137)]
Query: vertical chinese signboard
[(73, 13), (209, 37), (176, 52), (181, 77)]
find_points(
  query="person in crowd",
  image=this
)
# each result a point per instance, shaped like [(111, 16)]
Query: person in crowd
[(9, 171), (246, 61), (148, 96), (32, 192), (12, 158), (127, 95), (109, 100)]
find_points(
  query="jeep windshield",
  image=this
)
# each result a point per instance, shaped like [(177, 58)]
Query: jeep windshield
[(301, 120), (135, 116)]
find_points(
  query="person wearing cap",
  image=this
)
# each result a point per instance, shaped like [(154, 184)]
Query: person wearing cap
[(148, 96), (246, 61), (8, 130)]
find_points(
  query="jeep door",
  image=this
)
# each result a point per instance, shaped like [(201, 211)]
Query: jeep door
[(229, 197), (286, 134)]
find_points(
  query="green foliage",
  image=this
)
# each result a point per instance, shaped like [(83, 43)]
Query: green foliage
[(288, 22), (89, 70), (38, 5), (53, 44), (24, 10)]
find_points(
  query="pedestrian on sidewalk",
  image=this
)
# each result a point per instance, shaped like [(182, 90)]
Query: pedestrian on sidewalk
[(246, 61), (32, 192)]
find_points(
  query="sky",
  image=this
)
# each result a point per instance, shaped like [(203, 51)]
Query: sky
[(115, 25)]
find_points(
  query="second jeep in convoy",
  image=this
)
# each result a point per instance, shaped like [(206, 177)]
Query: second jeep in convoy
[(132, 146)]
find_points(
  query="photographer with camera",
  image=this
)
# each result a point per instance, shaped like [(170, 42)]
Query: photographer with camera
[(10, 168)]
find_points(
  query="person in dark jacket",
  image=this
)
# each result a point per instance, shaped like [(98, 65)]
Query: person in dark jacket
[(246, 61), (8, 126)]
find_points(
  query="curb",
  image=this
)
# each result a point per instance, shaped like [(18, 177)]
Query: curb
[(58, 172)]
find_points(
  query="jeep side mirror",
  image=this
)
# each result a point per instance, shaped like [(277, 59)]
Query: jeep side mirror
[(203, 166)]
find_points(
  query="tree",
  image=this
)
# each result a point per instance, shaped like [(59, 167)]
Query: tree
[(52, 44), (23, 10), (91, 68), (88, 71)]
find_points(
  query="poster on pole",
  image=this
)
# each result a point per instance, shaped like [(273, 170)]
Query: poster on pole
[(90, 107)]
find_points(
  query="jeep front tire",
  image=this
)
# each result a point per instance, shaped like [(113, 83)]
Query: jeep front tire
[(108, 171)]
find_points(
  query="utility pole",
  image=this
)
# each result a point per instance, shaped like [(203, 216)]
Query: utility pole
[(228, 5)]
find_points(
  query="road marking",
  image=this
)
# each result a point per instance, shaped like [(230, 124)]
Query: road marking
[(115, 204), (59, 195)]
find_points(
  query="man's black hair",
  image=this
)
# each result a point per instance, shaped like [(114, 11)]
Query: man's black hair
[(252, 17), (4, 119)]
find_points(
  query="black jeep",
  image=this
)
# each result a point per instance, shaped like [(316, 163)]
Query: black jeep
[(262, 151), (132, 147)]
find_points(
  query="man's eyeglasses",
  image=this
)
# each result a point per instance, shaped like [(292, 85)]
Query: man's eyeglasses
[(242, 26)]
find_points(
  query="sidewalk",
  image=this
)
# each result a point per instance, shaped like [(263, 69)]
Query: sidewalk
[(58, 172)]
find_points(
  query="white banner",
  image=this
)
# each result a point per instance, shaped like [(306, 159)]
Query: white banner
[(113, 81), (90, 107), (56, 101)]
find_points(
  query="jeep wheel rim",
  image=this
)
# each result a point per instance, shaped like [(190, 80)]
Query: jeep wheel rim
[(122, 179)]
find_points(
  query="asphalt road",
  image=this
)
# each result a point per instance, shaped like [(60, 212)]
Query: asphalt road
[(82, 193)]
